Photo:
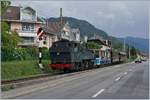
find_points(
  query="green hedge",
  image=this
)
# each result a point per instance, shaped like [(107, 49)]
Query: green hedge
[(22, 54), (93, 45)]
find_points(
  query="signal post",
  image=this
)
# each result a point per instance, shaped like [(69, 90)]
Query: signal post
[(40, 37)]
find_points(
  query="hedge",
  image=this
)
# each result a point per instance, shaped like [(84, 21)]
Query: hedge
[(10, 54)]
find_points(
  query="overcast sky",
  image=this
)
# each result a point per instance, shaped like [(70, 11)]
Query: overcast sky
[(117, 18)]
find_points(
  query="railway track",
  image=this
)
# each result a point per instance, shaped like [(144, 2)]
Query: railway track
[(41, 76), (19, 83), (24, 79)]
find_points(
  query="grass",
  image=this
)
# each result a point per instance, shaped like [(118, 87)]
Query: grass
[(20, 69)]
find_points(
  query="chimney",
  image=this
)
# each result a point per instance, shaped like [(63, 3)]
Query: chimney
[(60, 12), (85, 39), (61, 17)]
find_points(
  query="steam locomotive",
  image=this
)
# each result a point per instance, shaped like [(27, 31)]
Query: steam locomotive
[(69, 55)]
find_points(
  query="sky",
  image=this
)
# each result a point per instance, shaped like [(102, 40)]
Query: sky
[(117, 18)]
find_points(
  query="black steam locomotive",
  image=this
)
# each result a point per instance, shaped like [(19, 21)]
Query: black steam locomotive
[(69, 55)]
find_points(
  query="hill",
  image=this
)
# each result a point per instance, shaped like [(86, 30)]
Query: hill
[(85, 27), (88, 29), (140, 43)]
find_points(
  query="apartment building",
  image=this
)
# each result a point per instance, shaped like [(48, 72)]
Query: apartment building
[(24, 21)]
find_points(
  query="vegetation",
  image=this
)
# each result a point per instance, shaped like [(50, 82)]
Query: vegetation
[(9, 39), (133, 52), (19, 69), (9, 50), (18, 62), (116, 44), (23, 54), (93, 45)]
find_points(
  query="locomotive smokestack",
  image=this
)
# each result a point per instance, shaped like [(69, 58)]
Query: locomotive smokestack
[(60, 12)]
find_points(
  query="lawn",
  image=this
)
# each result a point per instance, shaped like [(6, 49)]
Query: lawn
[(19, 69)]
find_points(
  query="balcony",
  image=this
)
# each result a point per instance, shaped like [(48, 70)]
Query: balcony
[(22, 33)]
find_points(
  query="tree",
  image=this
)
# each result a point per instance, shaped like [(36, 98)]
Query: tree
[(133, 53), (9, 40), (93, 45), (117, 46)]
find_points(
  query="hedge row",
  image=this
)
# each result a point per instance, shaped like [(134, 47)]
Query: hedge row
[(22, 54)]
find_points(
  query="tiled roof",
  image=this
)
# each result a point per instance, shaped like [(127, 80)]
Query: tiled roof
[(97, 41), (12, 13), (55, 26), (46, 29)]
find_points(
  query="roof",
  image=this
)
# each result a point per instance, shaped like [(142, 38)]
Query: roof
[(97, 41), (97, 37), (46, 30), (13, 13), (122, 53), (55, 26)]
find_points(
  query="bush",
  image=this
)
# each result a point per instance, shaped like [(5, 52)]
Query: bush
[(23, 54), (93, 45), (18, 69), (45, 53)]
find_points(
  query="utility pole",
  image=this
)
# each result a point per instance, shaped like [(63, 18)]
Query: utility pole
[(129, 53), (111, 53), (124, 47)]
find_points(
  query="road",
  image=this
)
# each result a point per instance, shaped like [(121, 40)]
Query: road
[(126, 81)]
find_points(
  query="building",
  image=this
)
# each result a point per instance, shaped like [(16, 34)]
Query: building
[(104, 52), (62, 29), (76, 33), (49, 38), (24, 21)]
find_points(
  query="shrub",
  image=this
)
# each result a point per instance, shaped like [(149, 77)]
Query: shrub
[(23, 54)]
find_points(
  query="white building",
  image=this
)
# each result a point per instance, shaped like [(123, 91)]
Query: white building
[(24, 21), (76, 33)]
